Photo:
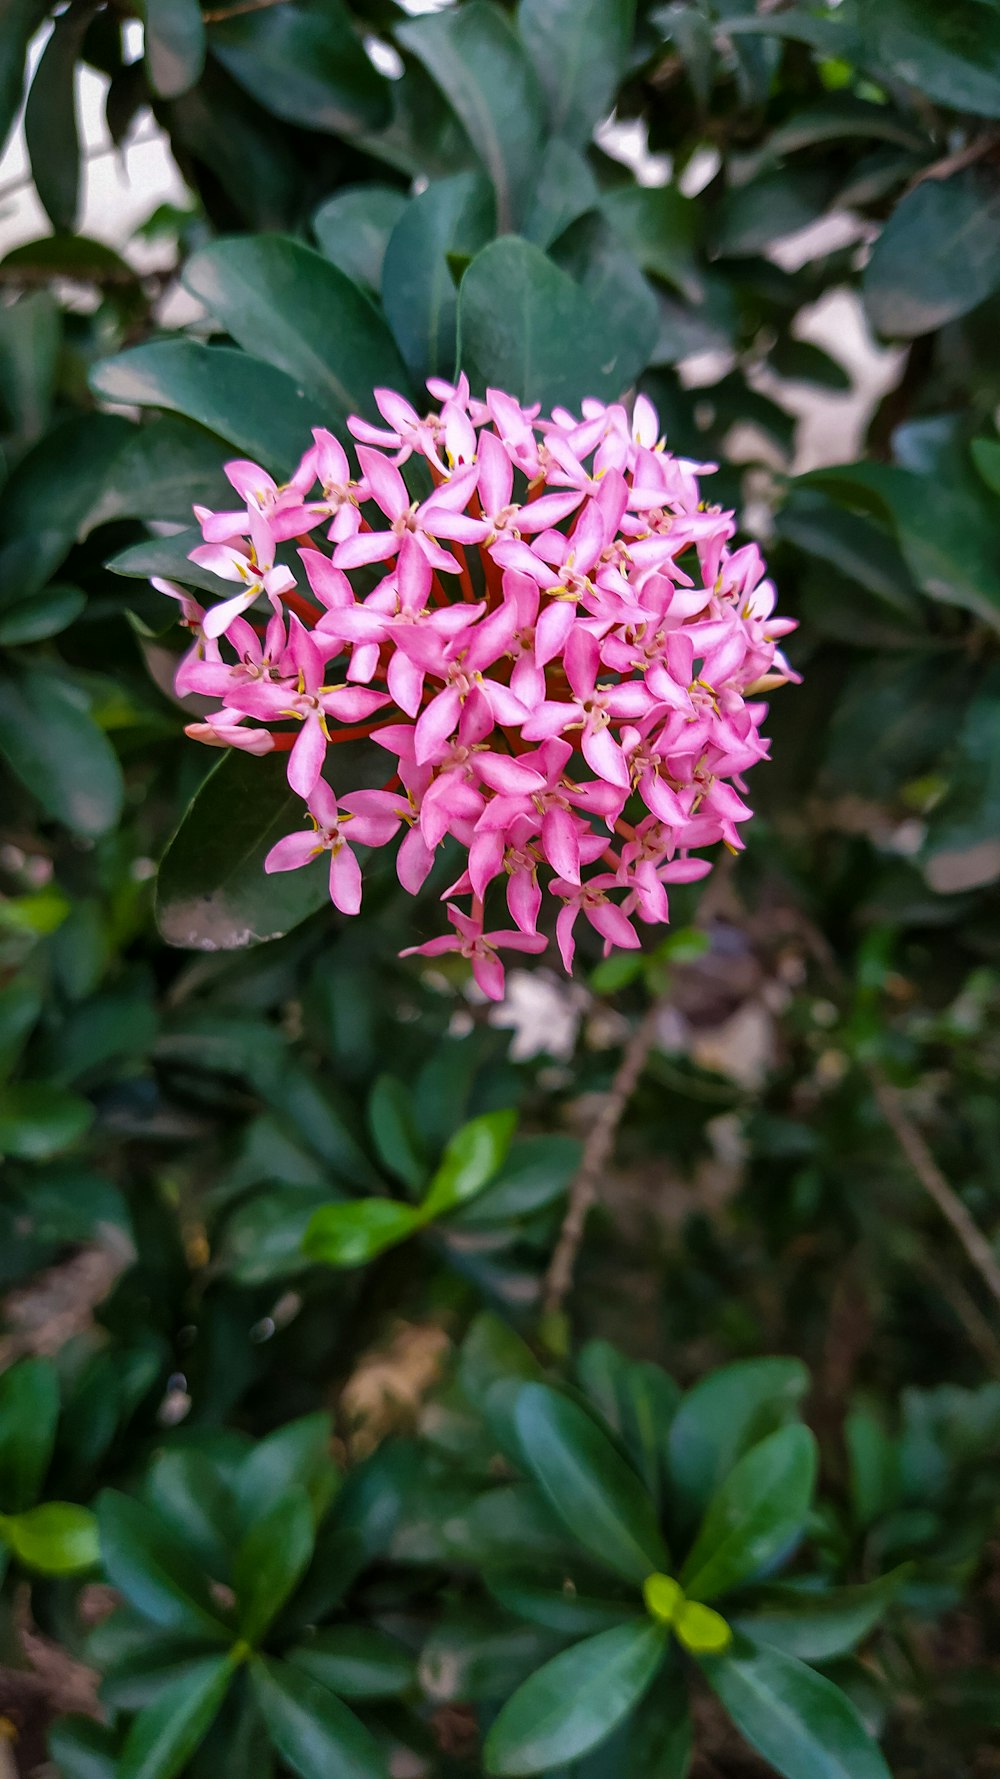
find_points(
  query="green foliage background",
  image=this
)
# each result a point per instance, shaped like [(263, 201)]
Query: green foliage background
[(310, 1180)]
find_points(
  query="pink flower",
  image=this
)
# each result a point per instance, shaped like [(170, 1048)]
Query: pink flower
[(359, 820), (480, 948)]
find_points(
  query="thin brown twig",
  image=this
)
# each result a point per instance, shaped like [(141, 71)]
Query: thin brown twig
[(973, 151), (932, 1180), (596, 1155)]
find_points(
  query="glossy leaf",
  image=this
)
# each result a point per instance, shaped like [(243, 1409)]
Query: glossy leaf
[(313, 1732), (580, 49), (950, 53), (164, 1736), (353, 229), (21, 19), (298, 1452), (36, 531), (596, 1495), (52, 744), (818, 1625), (481, 67), (453, 217), (30, 337), (351, 1234), (575, 1701), (56, 1538), (175, 46), (165, 467), (659, 226), (565, 1610), (356, 1662), (290, 306), (534, 1173), (798, 1720), (271, 1561), (50, 119), (39, 1120), (472, 1157), (756, 1515), (526, 327), (304, 63), (724, 1413), (937, 256), (212, 893), (29, 1411), (257, 408), (394, 1134), (41, 615), (150, 1564)]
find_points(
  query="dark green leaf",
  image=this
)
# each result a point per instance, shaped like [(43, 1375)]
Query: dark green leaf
[(50, 120), (803, 362), (526, 327), (83, 1749), (38, 1120), (576, 1700), (535, 1172), (212, 893), (242, 399), (304, 62), (186, 1489), (151, 1565), (617, 291), (564, 190), (962, 849), (394, 1134), (566, 1610), (263, 1235), (56, 1538), (751, 217), (580, 51), (951, 53), (351, 1234), (755, 1516), (298, 1452), (167, 465), (472, 1157), (255, 164), (40, 615), (725, 1413), (356, 1662), (986, 457), (166, 557), (659, 226), (313, 1732), (453, 216), (585, 1482), (175, 46), (21, 19), (38, 530), (937, 256), (55, 748), (30, 335), (164, 1736), (474, 1655), (290, 306), (818, 1624), (353, 229), (638, 1401), (271, 1561), (29, 1411), (481, 67), (800, 1722)]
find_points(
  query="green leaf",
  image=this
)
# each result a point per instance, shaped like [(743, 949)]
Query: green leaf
[(453, 217), (351, 1234), (394, 1133), (313, 1732), (304, 62), (166, 557), (83, 1749), (57, 1538), (580, 50), (571, 1613), (472, 1157), (800, 1722), (937, 257), (37, 531), (575, 1701), (722, 1415), (164, 1736), (186, 1489), (951, 54), (535, 1172), (526, 327), (212, 893), (40, 615), (596, 1495), (38, 1120), (564, 190), (151, 1565), (962, 850), (985, 455), (591, 253), (298, 1452), (21, 19), (58, 752), (242, 399), (271, 1561), (29, 1411), (30, 337), (290, 306), (175, 46), (753, 216), (659, 226), (50, 120), (755, 1516), (166, 466), (638, 1401), (873, 1467), (818, 1624), (481, 67), (353, 229), (356, 1662)]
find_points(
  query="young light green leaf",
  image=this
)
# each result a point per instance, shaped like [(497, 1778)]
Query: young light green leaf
[(353, 1233), (56, 1538), (798, 1720), (755, 1515), (472, 1157), (575, 1701), (596, 1495)]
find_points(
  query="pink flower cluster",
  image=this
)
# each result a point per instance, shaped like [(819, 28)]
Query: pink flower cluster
[(556, 635)]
